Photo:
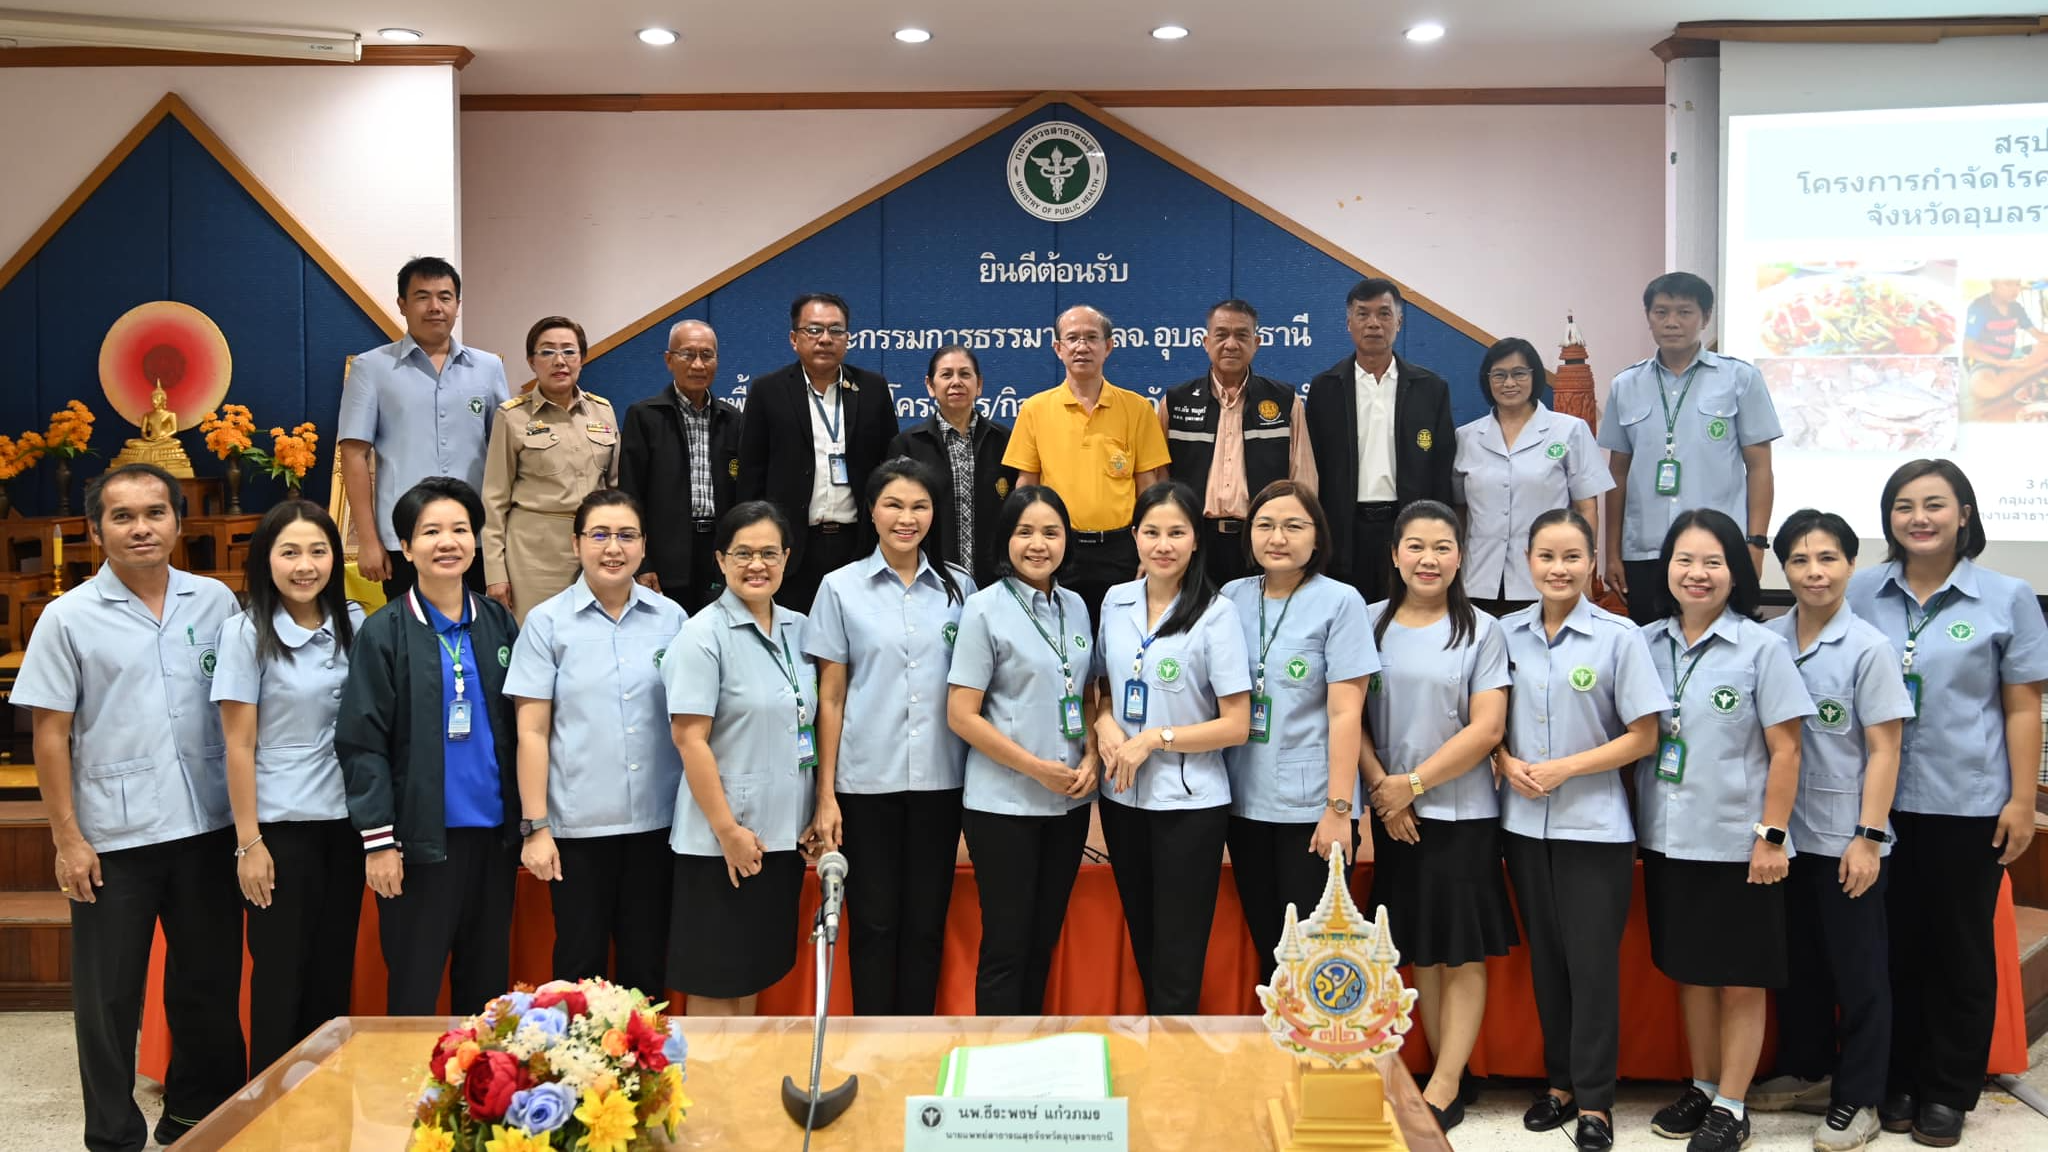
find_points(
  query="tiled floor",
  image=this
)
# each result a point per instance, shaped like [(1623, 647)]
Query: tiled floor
[(40, 1112)]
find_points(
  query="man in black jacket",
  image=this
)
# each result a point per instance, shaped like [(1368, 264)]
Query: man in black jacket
[(965, 450), (1383, 438), (814, 432), (679, 455)]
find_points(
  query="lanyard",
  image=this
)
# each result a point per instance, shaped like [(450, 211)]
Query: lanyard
[(1678, 693), (1913, 631), (1670, 417), (832, 423), (455, 654), (803, 712), (1266, 642), (1059, 647), (1138, 661)]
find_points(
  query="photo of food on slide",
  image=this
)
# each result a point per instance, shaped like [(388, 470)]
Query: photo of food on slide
[(2005, 349), (1866, 403), (1857, 308)]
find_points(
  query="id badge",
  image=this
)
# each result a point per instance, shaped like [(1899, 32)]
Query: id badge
[(837, 463), (1262, 719), (1913, 690), (1134, 701), (1667, 477), (807, 746), (458, 719), (1671, 760), (1070, 717)]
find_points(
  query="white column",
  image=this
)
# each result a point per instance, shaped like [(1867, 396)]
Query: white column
[(1692, 173)]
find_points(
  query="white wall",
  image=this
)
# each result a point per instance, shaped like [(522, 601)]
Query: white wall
[(364, 157), (1505, 216)]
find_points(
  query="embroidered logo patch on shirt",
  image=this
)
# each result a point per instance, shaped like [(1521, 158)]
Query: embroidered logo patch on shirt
[(1297, 669), (476, 405), (1831, 714), (1725, 700), (658, 654), (1374, 686), (504, 656), (1961, 630), (1555, 451), (1002, 487), (1080, 641), (207, 662), (1169, 670), (1425, 440), (950, 632), (1269, 410), (1583, 678), (1717, 429), (732, 468)]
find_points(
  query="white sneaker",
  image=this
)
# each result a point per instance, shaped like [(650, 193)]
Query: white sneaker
[(1786, 1093), (1845, 1129)]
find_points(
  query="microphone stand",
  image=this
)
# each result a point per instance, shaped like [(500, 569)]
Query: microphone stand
[(814, 1109)]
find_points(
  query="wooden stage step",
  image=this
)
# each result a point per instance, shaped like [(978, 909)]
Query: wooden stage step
[(28, 860), (35, 952)]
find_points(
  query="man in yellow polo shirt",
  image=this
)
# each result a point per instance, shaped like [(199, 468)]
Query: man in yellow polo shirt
[(1098, 446)]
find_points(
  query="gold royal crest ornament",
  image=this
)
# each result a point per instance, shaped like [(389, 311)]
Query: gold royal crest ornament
[(1269, 411), (1337, 1005)]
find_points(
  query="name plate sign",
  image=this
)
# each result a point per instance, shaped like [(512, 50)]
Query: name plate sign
[(987, 1124)]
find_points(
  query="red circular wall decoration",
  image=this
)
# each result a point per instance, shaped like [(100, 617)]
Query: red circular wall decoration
[(166, 341)]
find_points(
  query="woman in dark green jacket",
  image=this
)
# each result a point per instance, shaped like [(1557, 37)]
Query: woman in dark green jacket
[(427, 745)]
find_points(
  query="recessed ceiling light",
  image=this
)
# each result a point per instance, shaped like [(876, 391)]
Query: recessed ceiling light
[(658, 37), (1425, 33), (402, 35), (1169, 32), (913, 35)]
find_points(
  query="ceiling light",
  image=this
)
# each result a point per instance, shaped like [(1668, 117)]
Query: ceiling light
[(1425, 33), (402, 35), (657, 37), (913, 35), (1169, 32)]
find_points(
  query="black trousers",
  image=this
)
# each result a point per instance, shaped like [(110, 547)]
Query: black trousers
[(611, 909), (1273, 868), (1942, 897), (1095, 562), (404, 576), (455, 916), (1574, 897), (705, 580), (1025, 867), (817, 552), (1498, 608), (1223, 552), (1371, 570), (1837, 957), (302, 949), (189, 884), (901, 850), (1647, 591), (1167, 865)]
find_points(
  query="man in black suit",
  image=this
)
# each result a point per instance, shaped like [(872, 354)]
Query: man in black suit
[(1383, 438), (965, 449), (679, 455), (815, 431)]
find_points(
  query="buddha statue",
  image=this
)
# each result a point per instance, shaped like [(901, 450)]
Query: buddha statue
[(158, 443)]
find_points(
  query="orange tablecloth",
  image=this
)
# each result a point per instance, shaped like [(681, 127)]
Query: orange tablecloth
[(1510, 1043)]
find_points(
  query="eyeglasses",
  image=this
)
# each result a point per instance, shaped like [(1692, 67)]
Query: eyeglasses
[(564, 353), (601, 537), (1082, 339), (1292, 527), (819, 331), (692, 356), (745, 557), (1502, 376)]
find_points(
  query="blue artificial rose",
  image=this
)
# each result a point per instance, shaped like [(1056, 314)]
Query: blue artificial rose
[(542, 1108), (518, 1003), (553, 1022), (676, 1048)]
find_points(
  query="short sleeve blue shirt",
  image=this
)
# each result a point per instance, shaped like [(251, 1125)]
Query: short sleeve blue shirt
[(1001, 654), (1184, 674), (1554, 462), (1423, 696), (421, 422), (297, 695), (1854, 680)]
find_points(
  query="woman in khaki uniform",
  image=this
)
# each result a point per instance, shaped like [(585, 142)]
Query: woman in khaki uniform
[(550, 447)]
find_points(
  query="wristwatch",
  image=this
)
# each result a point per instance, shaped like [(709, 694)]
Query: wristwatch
[(529, 827), (1877, 834), (1415, 782), (1166, 737), (1770, 835), (1339, 805), (1759, 541)]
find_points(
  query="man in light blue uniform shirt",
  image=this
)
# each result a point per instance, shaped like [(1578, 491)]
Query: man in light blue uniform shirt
[(1686, 428), (132, 768), (424, 405)]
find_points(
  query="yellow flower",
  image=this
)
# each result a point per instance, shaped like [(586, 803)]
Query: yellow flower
[(610, 1119), (511, 1139), (677, 1109), (431, 1140)]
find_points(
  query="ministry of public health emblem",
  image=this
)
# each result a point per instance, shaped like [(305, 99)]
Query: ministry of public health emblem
[(1831, 714), (950, 633), (476, 405), (1169, 670), (1555, 451), (1297, 669), (1057, 171), (208, 661), (1725, 700), (1961, 630), (1717, 429), (1583, 678)]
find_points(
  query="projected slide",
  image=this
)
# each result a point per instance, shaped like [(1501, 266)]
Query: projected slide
[(1888, 274)]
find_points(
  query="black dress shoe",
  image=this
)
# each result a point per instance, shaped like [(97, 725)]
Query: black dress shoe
[(169, 1128), (1548, 1112), (1939, 1126), (1898, 1112), (1594, 1135), (1448, 1118)]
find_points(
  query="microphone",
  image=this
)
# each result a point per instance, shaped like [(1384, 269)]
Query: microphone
[(832, 878)]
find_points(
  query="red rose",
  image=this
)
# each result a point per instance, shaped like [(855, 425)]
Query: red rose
[(445, 1048), (645, 1042), (490, 1083), (571, 1001)]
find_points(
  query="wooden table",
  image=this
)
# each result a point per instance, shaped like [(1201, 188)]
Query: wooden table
[(1192, 1082)]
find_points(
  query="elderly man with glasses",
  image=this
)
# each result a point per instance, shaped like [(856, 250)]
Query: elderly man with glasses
[(679, 456)]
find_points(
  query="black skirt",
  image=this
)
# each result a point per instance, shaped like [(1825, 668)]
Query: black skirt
[(726, 942), (1710, 927), (1445, 897)]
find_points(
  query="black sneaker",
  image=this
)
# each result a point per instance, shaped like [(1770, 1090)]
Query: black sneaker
[(169, 1128), (1681, 1118), (1720, 1132)]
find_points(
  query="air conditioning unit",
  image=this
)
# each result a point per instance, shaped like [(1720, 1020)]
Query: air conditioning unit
[(37, 30)]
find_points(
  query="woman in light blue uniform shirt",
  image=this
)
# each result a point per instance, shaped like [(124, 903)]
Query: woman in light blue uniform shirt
[(1584, 705), (597, 769), (1294, 780), (1437, 709), (1974, 650), (1174, 691), (278, 682), (1515, 463), (744, 702), (1834, 896), (882, 631), (1018, 694), (1712, 802)]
